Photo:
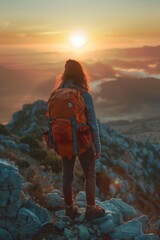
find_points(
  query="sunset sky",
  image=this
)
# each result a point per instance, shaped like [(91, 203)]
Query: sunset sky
[(38, 36), (105, 23)]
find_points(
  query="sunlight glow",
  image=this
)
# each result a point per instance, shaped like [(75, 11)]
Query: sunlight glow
[(78, 39)]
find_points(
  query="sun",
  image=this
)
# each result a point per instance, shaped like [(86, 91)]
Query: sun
[(78, 39)]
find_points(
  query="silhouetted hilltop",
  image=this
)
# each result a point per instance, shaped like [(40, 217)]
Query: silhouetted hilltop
[(131, 91), (132, 53)]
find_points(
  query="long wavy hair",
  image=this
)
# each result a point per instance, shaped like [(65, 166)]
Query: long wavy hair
[(75, 73)]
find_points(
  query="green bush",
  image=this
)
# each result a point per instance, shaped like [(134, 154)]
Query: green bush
[(54, 163), (38, 154), (23, 164), (4, 130), (38, 134), (32, 141)]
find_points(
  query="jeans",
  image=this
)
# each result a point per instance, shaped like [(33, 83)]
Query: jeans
[(88, 166)]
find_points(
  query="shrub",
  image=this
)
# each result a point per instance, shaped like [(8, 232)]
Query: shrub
[(23, 164), (31, 140), (42, 184), (53, 162), (4, 130), (38, 154)]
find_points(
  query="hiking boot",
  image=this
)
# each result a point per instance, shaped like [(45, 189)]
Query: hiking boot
[(94, 211), (71, 211)]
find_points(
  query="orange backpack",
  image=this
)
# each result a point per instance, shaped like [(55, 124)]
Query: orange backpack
[(70, 133)]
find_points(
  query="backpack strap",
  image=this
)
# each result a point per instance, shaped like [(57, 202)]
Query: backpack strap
[(50, 133), (74, 127)]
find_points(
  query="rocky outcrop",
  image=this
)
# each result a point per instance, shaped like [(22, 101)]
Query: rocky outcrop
[(19, 218), (30, 119), (127, 169), (23, 219)]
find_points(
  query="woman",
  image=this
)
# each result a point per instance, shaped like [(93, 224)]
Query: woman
[(74, 77)]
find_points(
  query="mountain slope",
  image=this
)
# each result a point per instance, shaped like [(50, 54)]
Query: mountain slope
[(127, 169)]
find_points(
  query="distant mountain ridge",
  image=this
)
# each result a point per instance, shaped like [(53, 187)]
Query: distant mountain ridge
[(128, 98), (131, 52), (18, 87), (129, 90)]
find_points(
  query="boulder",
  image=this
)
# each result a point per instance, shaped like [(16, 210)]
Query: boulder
[(54, 200), (39, 211), (105, 224), (145, 221), (128, 230), (24, 147), (81, 196), (68, 234), (116, 213), (17, 219), (60, 224), (126, 209), (60, 213), (5, 235), (83, 232), (150, 236)]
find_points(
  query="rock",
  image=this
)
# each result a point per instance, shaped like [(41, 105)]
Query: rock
[(57, 191), (24, 147), (130, 198), (105, 223), (81, 217), (20, 221), (14, 180), (11, 144), (53, 200), (6, 165), (128, 230), (3, 222), (27, 223), (157, 225), (32, 128), (60, 213), (68, 234), (4, 196), (10, 189), (126, 209), (116, 213), (81, 196), (33, 116), (67, 220), (145, 221), (2, 148), (3, 213), (83, 232), (26, 186), (96, 229), (150, 236), (91, 231), (26, 216), (81, 204), (60, 224), (81, 199), (5, 235), (99, 167), (13, 208), (41, 212), (112, 189)]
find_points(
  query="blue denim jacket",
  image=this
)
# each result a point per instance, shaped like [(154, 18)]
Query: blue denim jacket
[(91, 116)]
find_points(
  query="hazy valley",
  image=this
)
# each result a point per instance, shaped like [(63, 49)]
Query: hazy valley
[(125, 84)]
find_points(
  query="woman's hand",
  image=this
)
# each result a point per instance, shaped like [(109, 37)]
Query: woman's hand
[(97, 156)]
